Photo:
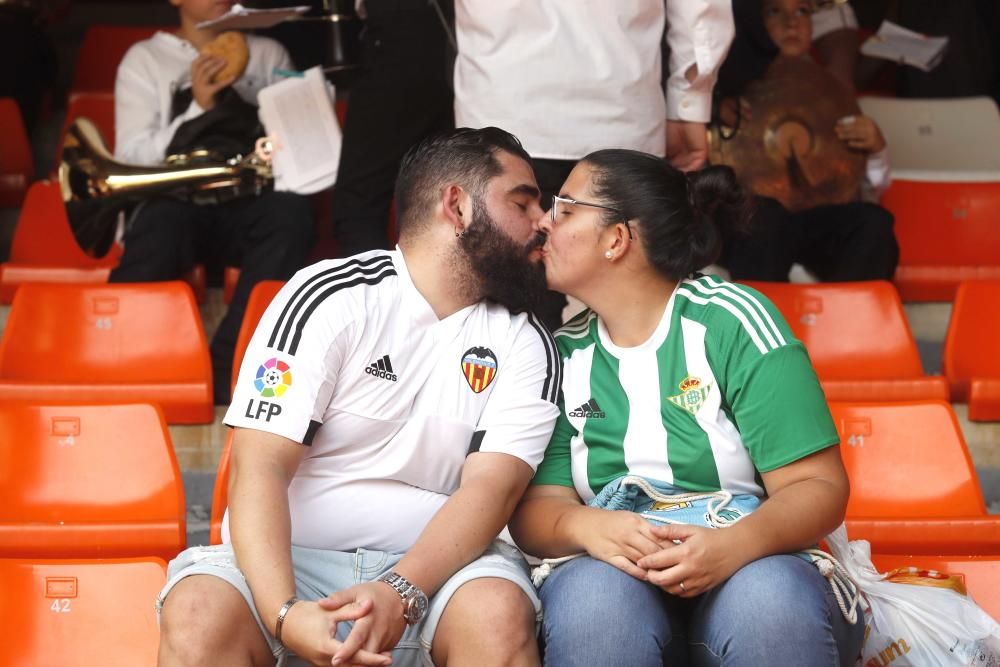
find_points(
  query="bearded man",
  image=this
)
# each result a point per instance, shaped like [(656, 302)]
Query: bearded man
[(389, 413)]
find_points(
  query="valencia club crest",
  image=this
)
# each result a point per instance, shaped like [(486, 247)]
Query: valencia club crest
[(479, 365)]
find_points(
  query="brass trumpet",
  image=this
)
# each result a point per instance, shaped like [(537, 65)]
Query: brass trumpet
[(91, 177)]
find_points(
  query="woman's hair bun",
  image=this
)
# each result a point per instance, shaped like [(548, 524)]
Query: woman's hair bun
[(715, 193)]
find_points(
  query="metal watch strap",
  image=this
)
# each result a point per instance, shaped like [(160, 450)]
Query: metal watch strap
[(408, 592), (281, 617)]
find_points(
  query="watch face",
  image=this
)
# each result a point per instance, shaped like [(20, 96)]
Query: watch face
[(416, 607)]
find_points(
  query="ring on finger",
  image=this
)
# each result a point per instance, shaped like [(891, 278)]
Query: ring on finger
[(683, 589)]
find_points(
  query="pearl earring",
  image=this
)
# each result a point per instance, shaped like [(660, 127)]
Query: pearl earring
[(609, 254)]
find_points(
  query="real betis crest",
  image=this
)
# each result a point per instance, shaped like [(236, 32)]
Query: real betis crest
[(693, 394)]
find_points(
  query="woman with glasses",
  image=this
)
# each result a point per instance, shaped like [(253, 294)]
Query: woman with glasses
[(687, 404)]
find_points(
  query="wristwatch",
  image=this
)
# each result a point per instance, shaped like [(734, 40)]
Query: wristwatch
[(414, 600)]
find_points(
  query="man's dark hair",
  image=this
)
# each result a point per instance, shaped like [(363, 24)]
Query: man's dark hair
[(465, 156)]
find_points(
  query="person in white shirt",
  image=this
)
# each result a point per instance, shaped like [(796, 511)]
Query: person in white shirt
[(164, 85), (569, 78), (389, 414)]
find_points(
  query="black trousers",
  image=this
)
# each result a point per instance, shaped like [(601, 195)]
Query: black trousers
[(402, 93), (268, 237), (840, 242)]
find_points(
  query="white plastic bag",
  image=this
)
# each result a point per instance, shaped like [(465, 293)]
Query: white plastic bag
[(908, 624)]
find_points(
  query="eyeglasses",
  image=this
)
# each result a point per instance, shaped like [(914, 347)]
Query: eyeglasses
[(557, 200)]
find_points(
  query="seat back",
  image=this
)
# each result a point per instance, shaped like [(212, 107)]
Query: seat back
[(220, 494), (76, 613), (947, 233), (260, 298), (43, 234), (906, 459), (88, 481), (853, 331), (17, 167), (93, 334), (952, 139), (970, 346), (101, 52)]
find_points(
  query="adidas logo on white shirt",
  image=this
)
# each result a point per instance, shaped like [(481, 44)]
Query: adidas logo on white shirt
[(590, 410), (382, 368)]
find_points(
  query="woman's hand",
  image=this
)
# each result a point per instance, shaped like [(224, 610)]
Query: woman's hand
[(860, 133), (703, 559), (618, 538)]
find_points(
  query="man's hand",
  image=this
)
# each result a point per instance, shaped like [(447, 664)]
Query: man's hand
[(378, 631), (310, 631), (203, 69), (704, 559), (687, 144)]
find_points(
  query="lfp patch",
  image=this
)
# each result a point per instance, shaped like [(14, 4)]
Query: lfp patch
[(479, 365), (273, 379), (693, 394)]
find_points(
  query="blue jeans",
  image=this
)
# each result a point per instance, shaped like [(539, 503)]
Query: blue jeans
[(775, 611)]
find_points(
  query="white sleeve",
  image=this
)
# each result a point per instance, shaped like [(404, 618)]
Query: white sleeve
[(293, 361), (699, 33), (141, 134), (832, 19), (522, 411)]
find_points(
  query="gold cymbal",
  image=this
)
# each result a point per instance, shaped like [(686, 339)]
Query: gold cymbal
[(788, 149)]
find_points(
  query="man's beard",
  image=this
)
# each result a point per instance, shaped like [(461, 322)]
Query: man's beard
[(506, 274)]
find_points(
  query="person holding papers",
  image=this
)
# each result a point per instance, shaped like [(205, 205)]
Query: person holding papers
[(174, 93)]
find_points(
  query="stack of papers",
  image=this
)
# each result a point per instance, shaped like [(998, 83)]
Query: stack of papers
[(241, 18), (299, 118), (900, 45)]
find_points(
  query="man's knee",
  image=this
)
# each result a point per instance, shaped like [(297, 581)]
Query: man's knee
[(493, 614), (204, 617)]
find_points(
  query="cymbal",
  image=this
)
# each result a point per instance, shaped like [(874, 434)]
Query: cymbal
[(788, 150)]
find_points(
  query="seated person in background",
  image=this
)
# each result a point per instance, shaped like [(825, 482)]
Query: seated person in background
[(839, 242), (389, 415), (694, 385), (166, 86)]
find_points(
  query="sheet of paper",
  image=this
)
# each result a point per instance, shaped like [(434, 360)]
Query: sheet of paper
[(896, 43), (299, 117), (243, 18)]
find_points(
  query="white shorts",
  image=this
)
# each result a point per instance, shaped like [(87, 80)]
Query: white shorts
[(319, 573)]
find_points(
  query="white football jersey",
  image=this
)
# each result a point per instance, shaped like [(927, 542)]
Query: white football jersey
[(351, 361)]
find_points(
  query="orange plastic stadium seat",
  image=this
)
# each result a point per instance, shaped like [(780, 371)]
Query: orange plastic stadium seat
[(913, 485), (77, 613), (971, 360), (857, 338), (947, 233), (260, 298), (17, 167), (101, 51), (108, 344), (220, 493), (88, 481), (980, 573), (43, 248)]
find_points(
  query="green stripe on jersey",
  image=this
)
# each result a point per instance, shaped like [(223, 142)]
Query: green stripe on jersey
[(605, 432), (689, 452)]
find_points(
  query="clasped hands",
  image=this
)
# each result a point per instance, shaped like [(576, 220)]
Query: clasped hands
[(310, 628), (664, 555)]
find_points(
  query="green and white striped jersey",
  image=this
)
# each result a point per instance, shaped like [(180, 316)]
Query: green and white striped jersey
[(720, 391)]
